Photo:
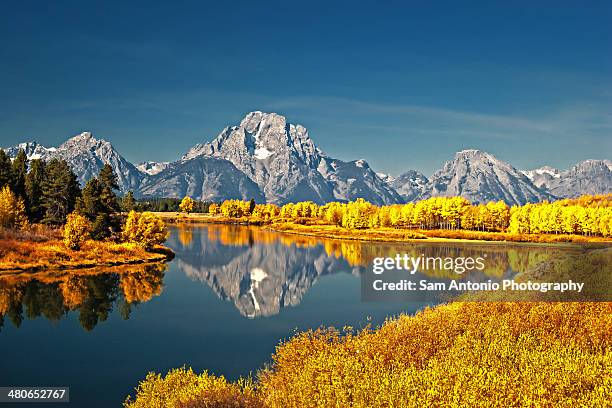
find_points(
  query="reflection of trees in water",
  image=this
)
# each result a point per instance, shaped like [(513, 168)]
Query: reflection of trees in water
[(185, 235), (263, 271), (92, 294), (498, 259)]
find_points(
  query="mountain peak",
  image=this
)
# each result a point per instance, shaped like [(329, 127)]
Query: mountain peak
[(83, 136), (83, 139), (481, 177), (474, 153)]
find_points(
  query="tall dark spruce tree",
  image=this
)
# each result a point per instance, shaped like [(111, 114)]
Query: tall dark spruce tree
[(19, 172), (60, 191), (128, 203), (34, 190), (6, 177), (98, 202)]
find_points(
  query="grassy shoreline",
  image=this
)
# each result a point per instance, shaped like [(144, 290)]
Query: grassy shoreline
[(387, 234), (20, 255)]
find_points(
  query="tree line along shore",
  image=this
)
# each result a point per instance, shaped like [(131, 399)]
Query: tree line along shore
[(48, 221), (584, 219)]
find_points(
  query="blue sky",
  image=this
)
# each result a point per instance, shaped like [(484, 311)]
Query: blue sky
[(401, 84)]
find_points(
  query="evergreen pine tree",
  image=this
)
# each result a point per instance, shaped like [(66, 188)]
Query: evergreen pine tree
[(128, 203), (18, 172), (33, 188), (60, 192), (108, 182), (98, 202), (89, 203), (6, 177)]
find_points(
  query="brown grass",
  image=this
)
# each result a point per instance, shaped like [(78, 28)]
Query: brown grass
[(52, 253)]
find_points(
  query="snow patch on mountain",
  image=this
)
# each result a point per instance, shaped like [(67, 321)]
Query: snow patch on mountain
[(151, 168), (282, 159)]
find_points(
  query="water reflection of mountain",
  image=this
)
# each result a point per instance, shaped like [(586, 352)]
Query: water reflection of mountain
[(91, 293), (260, 277), (262, 271)]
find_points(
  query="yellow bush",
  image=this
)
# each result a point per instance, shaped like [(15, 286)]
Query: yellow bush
[(187, 204), (12, 210), (472, 354), (145, 229), (76, 231), (183, 388)]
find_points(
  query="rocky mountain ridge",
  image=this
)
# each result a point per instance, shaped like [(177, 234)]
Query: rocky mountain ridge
[(269, 159)]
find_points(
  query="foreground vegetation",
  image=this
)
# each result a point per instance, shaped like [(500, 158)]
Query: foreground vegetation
[(463, 354), (31, 255)]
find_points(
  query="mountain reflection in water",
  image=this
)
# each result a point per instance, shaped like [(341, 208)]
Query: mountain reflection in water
[(262, 271)]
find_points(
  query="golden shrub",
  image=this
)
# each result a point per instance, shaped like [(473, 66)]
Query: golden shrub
[(471, 354), (12, 210), (145, 229), (76, 230), (183, 388)]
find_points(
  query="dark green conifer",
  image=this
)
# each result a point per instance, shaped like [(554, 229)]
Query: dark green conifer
[(60, 192), (33, 188), (6, 177)]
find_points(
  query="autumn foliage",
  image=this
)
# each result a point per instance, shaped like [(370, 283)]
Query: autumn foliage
[(12, 210), (463, 354), (145, 229), (76, 231), (587, 215), (187, 205)]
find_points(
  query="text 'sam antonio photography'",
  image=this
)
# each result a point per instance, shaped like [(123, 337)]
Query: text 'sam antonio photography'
[(305, 204)]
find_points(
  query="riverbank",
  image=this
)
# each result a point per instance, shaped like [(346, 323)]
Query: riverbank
[(317, 229), (26, 255)]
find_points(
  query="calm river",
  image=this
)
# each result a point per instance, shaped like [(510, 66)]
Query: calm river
[(222, 305)]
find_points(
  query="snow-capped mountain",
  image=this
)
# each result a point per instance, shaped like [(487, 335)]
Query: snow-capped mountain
[(481, 177), (33, 151), (542, 176), (586, 177), (152, 168), (86, 155), (266, 158), (284, 162), (410, 185)]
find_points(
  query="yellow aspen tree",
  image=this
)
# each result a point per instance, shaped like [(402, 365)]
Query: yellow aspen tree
[(12, 210), (187, 204)]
